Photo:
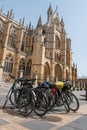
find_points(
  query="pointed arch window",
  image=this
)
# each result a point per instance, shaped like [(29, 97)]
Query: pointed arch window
[(22, 46), (0, 38), (12, 41), (1, 31), (22, 65), (28, 67), (1, 27), (43, 32), (8, 65), (23, 42), (57, 43), (12, 38)]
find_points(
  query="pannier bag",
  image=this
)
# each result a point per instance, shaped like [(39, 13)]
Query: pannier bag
[(59, 84)]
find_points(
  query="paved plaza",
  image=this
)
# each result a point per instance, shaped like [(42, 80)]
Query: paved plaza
[(10, 119)]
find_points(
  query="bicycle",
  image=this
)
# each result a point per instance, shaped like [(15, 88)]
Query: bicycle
[(11, 91), (16, 95), (26, 98), (71, 97)]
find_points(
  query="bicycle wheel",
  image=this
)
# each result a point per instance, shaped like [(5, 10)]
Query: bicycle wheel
[(72, 101), (50, 99), (14, 96), (40, 104), (58, 100), (65, 102), (61, 100), (26, 103)]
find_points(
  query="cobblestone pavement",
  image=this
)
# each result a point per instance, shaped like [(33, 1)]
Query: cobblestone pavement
[(10, 119)]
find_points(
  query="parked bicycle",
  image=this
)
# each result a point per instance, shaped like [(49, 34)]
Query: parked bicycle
[(26, 98), (71, 97)]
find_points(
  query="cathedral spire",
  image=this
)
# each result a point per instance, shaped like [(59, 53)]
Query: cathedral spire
[(49, 12), (23, 21), (62, 24), (39, 24), (29, 28), (10, 14)]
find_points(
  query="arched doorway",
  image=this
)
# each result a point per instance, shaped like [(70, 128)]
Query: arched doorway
[(46, 71), (58, 73), (67, 75)]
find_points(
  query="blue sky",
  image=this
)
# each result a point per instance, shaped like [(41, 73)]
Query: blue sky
[(74, 13)]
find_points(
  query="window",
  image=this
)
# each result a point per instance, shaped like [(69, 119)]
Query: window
[(12, 38), (1, 27), (28, 67), (23, 42), (1, 38), (22, 65), (12, 42), (57, 43), (1, 31), (22, 46), (8, 65), (43, 32)]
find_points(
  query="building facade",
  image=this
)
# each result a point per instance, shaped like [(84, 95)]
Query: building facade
[(43, 52), (82, 82)]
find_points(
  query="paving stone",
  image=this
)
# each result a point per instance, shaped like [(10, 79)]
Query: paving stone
[(82, 120), (79, 124), (3, 122), (13, 126), (66, 128), (37, 125)]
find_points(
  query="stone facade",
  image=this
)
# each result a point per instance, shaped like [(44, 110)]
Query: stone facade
[(43, 52), (82, 82)]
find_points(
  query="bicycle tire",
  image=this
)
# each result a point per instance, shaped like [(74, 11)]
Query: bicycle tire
[(25, 103), (14, 97), (61, 100), (73, 101), (40, 104), (65, 102)]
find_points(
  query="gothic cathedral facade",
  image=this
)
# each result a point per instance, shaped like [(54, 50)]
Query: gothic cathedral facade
[(44, 51)]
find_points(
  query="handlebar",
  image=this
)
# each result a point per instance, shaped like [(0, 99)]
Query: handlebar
[(22, 79)]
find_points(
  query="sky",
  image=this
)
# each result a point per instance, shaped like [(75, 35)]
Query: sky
[(74, 13)]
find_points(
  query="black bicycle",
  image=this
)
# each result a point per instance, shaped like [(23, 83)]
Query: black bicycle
[(27, 99), (14, 92), (70, 96)]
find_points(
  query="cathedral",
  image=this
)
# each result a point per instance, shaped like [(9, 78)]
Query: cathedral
[(43, 52)]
